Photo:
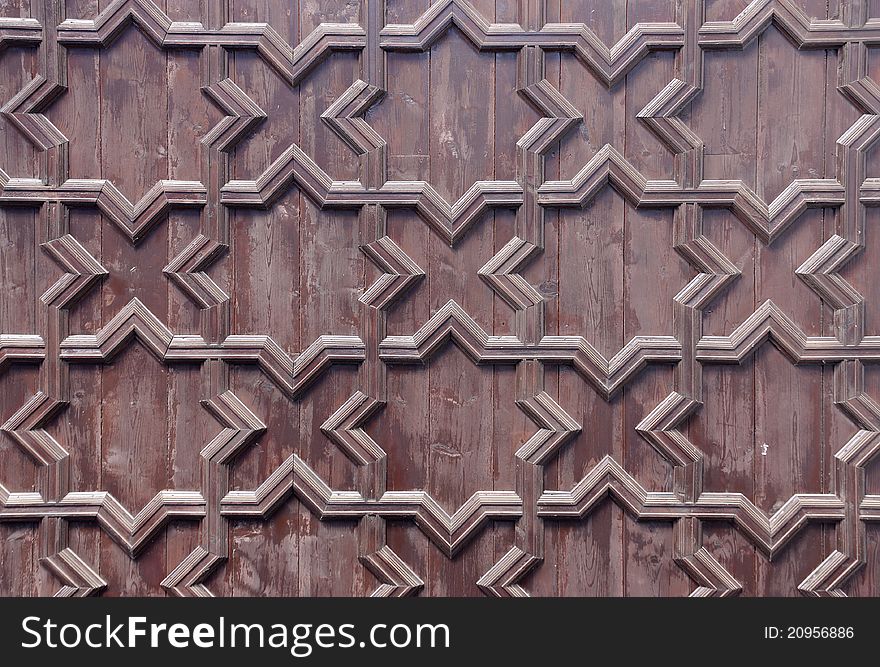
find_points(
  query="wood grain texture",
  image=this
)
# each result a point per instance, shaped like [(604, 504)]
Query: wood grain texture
[(439, 297)]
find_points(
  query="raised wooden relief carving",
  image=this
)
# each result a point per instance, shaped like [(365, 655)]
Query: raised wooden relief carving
[(448, 297)]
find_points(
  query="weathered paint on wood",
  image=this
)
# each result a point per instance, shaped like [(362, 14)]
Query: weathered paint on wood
[(393, 297)]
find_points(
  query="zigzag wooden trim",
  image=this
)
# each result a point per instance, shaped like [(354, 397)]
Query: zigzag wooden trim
[(610, 65), (131, 532), (25, 427), (134, 320), (83, 271), (241, 428), (769, 322), (401, 273), (23, 112), (242, 115), (80, 580), (294, 476), (802, 30), (660, 115), (343, 427), (832, 572), (715, 581), (324, 502), (451, 322), (500, 273), (345, 117), (290, 374), (501, 580), (450, 532), (556, 427), (291, 63), (111, 22), (134, 220), (441, 16), (292, 166), (701, 566), (187, 271), (22, 31), (21, 348), (397, 578), (560, 117), (187, 579), (607, 376), (820, 273), (660, 429), (769, 533), (716, 271), (451, 221), (607, 166), (767, 221)]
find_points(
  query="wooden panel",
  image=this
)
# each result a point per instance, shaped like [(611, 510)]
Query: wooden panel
[(450, 297)]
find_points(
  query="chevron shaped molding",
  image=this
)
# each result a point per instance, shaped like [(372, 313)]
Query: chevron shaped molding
[(328, 195)]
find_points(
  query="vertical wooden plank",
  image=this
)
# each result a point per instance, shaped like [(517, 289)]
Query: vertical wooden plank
[(19, 567), (264, 556), (402, 427), (18, 315), (543, 273), (331, 273), (647, 305), (786, 148), (18, 303), (18, 65), (190, 117), (80, 431), (839, 115), (724, 116), (864, 582), (135, 460), (462, 143), (590, 284), (134, 150), (861, 273), (402, 117), (514, 117)]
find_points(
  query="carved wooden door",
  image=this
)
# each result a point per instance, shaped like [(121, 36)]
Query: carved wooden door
[(563, 297)]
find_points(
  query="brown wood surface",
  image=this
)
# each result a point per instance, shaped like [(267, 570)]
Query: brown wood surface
[(450, 297)]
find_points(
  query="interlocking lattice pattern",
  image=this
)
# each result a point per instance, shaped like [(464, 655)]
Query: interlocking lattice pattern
[(396, 297)]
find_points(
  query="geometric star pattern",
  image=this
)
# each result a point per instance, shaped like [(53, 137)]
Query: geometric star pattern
[(506, 213)]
